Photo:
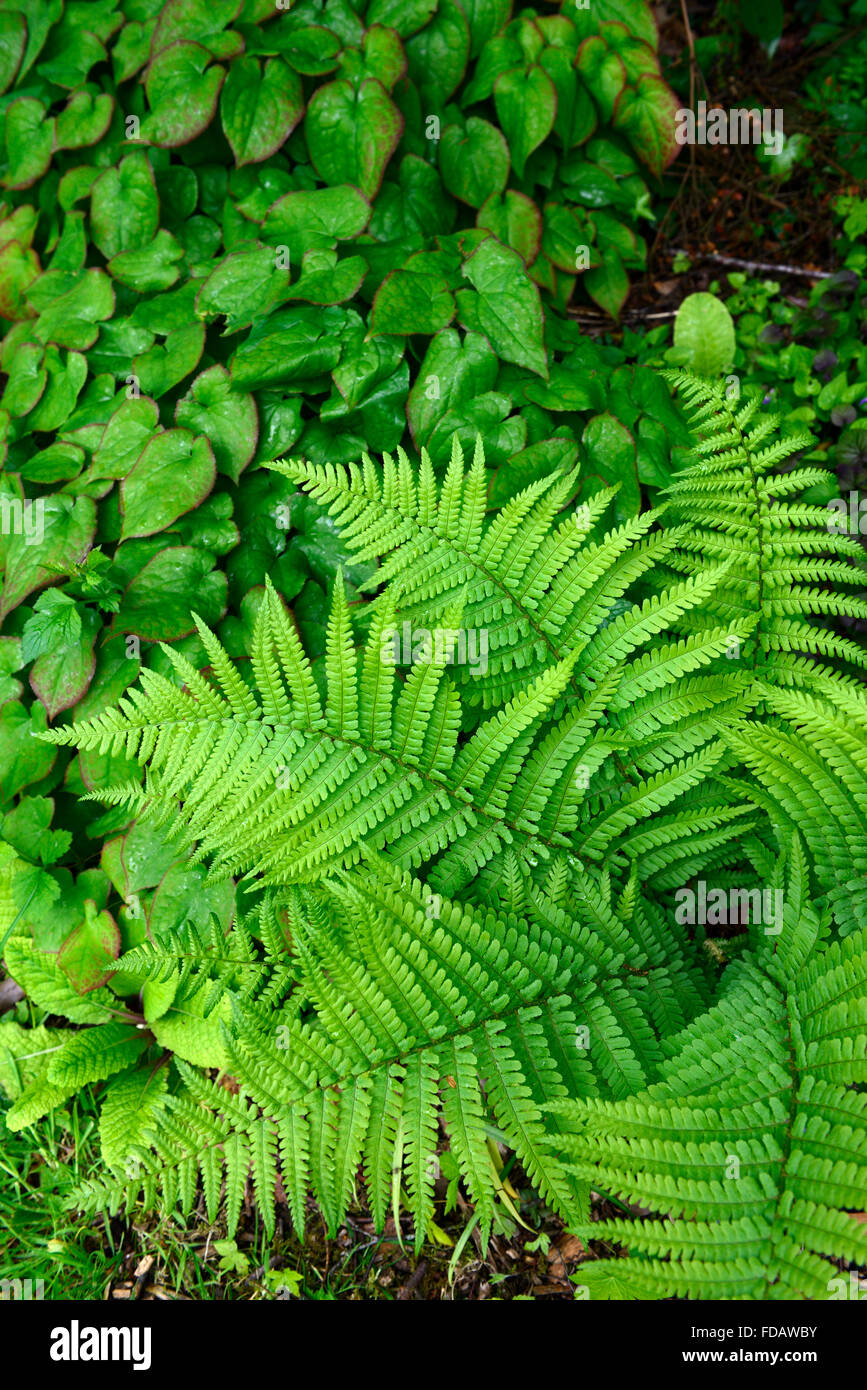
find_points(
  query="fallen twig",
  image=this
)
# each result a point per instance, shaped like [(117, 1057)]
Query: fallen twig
[(756, 265)]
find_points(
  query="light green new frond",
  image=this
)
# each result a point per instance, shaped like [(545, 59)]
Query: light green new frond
[(418, 1008), (538, 588), (780, 551)]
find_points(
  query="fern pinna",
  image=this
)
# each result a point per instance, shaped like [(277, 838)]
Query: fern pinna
[(459, 878)]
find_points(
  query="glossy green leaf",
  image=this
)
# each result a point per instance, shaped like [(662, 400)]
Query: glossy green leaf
[(259, 110), (474, 162), (42, 542), (153, 268), (438, 55), (61, 675), (526, 104), (89, 952), (23, 758), (646, 116), (174, 472), (159, 601), (227, 418), (352, 133), (506, 307), (704, 335), (29, 140), (124, 211), (515, 220), (314, 219), (608, 285), (412, 301), (84, 120), (242, 286), (164, 366), (182, 91)]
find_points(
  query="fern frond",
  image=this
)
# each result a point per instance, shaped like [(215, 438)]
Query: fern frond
[(752, 1145)]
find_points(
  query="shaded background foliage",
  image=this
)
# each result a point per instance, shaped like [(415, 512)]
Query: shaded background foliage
[(231, 232)]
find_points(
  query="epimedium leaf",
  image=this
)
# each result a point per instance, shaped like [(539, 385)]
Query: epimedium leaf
[(374, 363), (610, 453), (27, 379), (27, 828), (506, 306), (474, 162), (182, 90), (84, 120), (314, 219), (326, 280), (56, 464), (567, 231), (19, 269), (56, 533), (567, 388), (381, 413), (412, 301), (526, 102), (202, 20), (514, 220), (639, 59), (646, 116), (438, 55), (603, 72), (635, 14), (352, 133), (40, 16), (18, 225), (243, 285), (555, 455), (23, 758), (486, 18), (72, 320), (126, 434), (161, 598), (65, 382), (151, 268), (415, 205), (88, 954), (384, 56), (311, 50), (174, 473), (228, 418), (259, 110), (558, 63), (184, 894), (61, 675), (124, 208), (29, 138), (13, 42), (608, 284), (487, 415), (70, 253), (455, 369), (70, 57), (165, 365), (290, 345), (406, 17), (132, 49)]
